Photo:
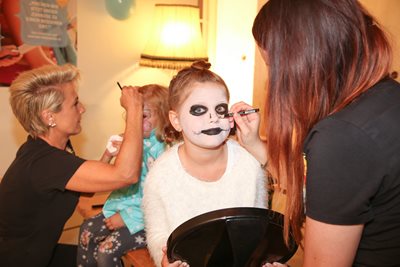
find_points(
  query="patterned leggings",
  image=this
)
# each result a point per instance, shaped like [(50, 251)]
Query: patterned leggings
[(101, 247)]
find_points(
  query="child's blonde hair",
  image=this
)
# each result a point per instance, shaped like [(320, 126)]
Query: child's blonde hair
[(157, 96)]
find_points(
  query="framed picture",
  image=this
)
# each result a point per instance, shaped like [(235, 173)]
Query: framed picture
[(35, 33)]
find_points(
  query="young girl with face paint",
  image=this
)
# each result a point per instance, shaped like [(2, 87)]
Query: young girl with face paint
[(205, 171), (119, 228)]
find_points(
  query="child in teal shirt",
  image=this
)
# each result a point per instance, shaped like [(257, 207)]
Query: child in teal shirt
[(119, 228)]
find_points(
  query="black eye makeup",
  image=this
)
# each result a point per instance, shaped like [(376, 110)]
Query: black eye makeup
[(198, 110), (221, 109), (146, 114)]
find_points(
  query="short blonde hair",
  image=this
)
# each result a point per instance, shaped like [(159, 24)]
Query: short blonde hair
[(36, 90)]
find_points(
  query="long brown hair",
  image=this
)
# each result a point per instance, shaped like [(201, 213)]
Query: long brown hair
[(321, 56)]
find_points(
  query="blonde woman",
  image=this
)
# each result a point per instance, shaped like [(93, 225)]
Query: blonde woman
[(41, 187)]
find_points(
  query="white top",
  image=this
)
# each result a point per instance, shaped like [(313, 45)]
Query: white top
[(172, 196)]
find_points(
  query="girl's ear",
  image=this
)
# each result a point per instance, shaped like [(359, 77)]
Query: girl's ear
[(174, 119)]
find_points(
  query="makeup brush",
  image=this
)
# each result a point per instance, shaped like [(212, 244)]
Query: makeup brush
[(243, 112)]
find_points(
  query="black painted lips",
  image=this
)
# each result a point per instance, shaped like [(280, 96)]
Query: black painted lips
[(212, 131)]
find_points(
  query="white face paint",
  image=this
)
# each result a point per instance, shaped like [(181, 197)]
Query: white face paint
[(201, 115)]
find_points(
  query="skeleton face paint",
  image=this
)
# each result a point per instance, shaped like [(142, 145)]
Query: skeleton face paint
[(201, 115), (198, 110)]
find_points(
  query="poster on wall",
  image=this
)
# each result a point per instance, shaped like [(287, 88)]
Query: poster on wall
[(34, 33)]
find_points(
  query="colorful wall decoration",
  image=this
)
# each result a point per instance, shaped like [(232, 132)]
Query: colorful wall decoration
[(35, 33)]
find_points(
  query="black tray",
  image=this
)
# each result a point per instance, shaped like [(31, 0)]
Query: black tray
[(234, 237)]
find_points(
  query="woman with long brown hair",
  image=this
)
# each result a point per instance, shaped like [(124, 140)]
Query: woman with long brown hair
[(333, 133)]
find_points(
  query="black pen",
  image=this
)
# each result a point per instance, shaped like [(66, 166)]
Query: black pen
[(120, 87), (243, 112)]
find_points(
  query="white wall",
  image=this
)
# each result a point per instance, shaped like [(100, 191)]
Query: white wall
[(109, 51), (11, 133), (387, 12), (235, 47)]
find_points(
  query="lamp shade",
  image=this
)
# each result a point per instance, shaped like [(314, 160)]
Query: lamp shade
[(175, 40)]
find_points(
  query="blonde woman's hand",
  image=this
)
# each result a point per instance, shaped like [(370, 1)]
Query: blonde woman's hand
[(131, 99)]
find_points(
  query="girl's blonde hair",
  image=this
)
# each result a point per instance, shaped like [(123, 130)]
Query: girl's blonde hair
[(157, 96)]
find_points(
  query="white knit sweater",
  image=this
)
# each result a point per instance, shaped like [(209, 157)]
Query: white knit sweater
[(172, 196)]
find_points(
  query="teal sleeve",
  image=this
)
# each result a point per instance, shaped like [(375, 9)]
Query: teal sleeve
[(133, 220)]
